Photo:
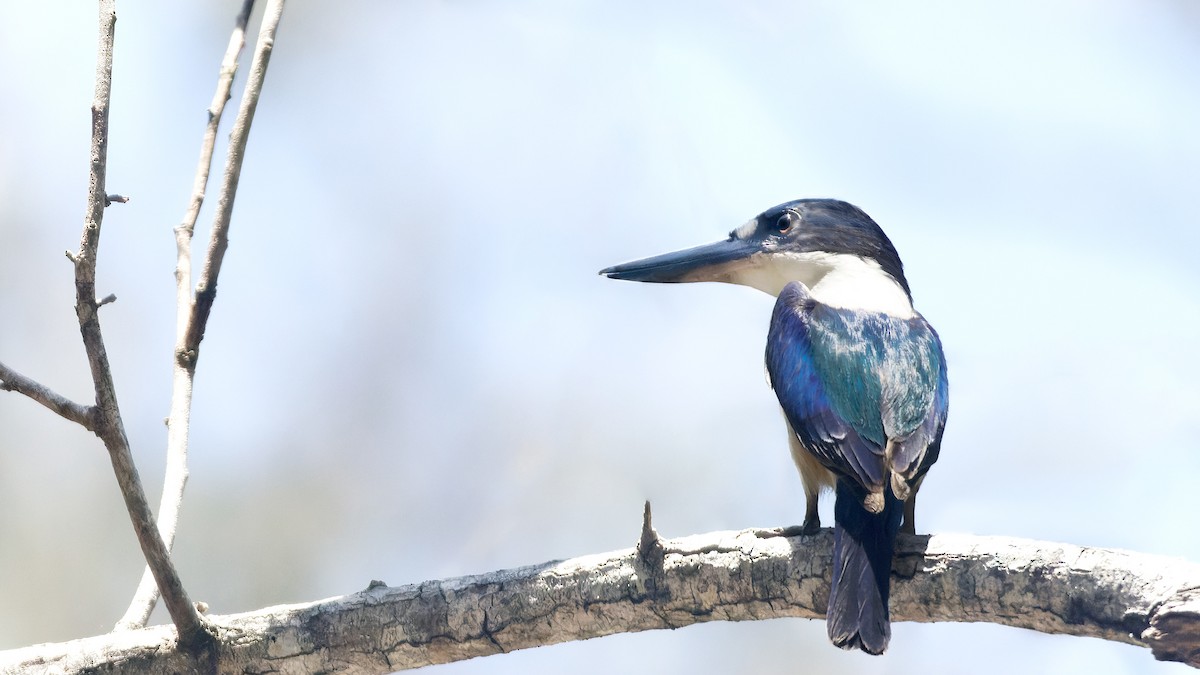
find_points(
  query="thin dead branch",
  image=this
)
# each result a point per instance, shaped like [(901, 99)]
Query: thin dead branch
[(108, 424), (11, 380), (206, 289), (184, 363)]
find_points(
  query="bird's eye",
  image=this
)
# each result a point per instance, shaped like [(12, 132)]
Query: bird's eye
[(787, 220)]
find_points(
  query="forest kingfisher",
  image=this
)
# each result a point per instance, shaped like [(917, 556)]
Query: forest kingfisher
[(859, 373)]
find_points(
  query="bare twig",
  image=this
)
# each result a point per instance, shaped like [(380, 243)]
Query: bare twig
[(206, 289), (11, 380), (1127, 597), (108, 426), (184, 369)]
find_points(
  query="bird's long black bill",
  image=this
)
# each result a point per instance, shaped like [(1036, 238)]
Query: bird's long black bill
[(711, 262)]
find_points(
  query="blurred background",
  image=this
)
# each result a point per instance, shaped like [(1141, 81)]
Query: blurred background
[(413, 371)]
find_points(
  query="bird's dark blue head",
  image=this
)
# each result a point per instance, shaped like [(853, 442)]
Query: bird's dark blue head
[(830, 246)]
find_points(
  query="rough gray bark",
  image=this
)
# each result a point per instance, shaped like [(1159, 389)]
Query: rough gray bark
[(725, 576)]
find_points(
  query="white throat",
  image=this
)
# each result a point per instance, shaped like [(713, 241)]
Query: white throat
[(834, 279)]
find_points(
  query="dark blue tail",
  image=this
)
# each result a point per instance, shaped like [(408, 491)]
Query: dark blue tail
[(863, 545)]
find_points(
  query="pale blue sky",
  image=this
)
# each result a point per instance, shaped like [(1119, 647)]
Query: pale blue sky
[(413, 371)]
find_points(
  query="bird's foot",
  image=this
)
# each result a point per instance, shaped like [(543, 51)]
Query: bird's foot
[(811, 526)]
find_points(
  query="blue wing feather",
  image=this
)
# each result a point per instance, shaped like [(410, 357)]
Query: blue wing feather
[(850, 382), (866, 394)]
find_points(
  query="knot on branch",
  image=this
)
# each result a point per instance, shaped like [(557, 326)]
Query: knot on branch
[(1173, 634), (201, 643), (186, 358)]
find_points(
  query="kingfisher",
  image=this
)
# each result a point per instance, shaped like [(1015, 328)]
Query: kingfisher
[(860, 376)]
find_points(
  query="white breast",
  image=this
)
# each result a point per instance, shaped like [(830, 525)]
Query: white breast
[(834, 279)]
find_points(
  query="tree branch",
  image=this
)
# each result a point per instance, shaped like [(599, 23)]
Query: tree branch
[(108, 424), (184, 368), (724, 576), (11, 380), (206, 289)]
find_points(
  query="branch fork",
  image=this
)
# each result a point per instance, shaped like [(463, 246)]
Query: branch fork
[(104, 416)]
